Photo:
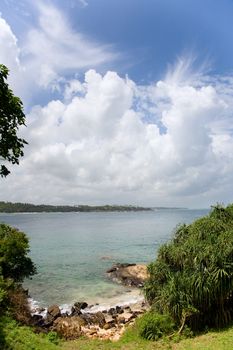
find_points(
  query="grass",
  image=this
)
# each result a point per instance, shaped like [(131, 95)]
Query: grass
[(14, 337), (222, 340)]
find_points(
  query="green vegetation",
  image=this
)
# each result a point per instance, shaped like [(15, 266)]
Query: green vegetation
[(8, 207), (190, 285), (15, 265), (192, 278), (153, 326), (15, 337), (11, 118)]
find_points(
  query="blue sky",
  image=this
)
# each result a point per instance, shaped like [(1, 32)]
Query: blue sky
[(127, 101), (148, 35)]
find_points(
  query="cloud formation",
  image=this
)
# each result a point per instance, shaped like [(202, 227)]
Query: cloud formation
[(107, 139), (100, 145), (50, 51)]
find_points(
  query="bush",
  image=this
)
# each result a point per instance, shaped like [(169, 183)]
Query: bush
[(192, 278), (153, 326), (15, 265), (14, 247), (16, 337)]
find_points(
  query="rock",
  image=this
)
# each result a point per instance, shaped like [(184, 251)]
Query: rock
[(109, 319), (118, 266), (98, 318), (112, 311), (75, 311), (129, 274), (37, 320), (81, 305), (81, 320), (107, 326), (39, 310), (68, 327), (125, 317), (54, 311), (77, 307), (127, 308), (119, 309)]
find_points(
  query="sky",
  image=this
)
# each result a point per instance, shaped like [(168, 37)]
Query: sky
[(126, 101)]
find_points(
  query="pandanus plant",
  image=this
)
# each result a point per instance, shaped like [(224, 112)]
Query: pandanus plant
[(192, 277)]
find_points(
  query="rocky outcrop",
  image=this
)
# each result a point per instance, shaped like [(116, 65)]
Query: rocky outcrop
[(108, 324), (132, 275)]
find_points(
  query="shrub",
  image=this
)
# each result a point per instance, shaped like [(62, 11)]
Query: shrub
[(14, 247), (192, 278), (153, 326), (15, 265)]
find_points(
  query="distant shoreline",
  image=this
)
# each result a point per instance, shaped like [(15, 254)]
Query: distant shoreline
[(9, 207)]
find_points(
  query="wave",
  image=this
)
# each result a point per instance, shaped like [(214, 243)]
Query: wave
[(129, 298)]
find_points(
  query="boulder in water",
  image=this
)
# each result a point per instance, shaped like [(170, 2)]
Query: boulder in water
[(133, 275)]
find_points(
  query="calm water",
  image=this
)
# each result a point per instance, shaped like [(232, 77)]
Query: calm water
[(72, 251)]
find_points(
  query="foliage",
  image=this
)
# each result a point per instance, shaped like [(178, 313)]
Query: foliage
[(11, 117), (15, 337), (8, 207), (3, 293), (153, 326), (192, 278), (15, 265), (14, 247)]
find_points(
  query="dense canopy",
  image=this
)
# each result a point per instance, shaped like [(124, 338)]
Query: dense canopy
[(192, 278)]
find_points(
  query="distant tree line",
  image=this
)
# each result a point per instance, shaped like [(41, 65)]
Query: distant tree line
[(8, 207)]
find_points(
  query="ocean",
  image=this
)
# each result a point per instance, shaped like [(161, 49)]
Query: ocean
[(72, 251)]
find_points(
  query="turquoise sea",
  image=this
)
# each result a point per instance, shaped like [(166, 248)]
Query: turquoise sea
[(72, 251)]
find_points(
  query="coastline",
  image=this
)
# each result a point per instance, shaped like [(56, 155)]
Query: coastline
[(130, 297), (105, 320)]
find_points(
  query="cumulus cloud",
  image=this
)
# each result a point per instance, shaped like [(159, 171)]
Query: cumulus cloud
[(107, 139), (170, 143)]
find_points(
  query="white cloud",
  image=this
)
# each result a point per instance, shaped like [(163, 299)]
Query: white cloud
[(100, 145), (50, 50), (10, 53), (109, 140)]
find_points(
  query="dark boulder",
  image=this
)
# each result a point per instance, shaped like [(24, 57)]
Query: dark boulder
[(77, 307), (81, 305)]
